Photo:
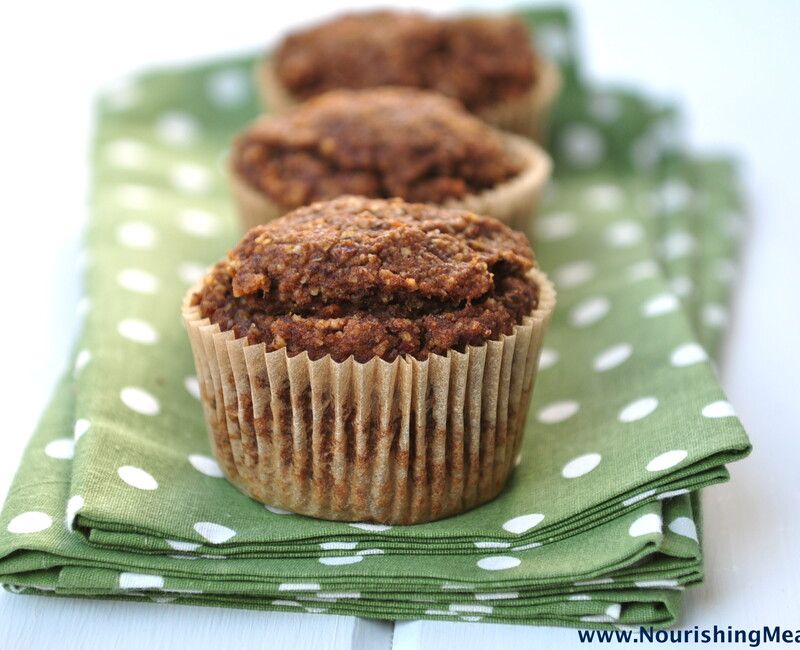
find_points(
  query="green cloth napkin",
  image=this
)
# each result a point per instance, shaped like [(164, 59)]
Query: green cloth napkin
[(117, 495)]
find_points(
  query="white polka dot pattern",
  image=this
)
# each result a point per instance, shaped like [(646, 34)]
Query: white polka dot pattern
[(137, 330), (687, 354), (130, 580), (630, 259), (581, 465), (138, 281), (137, 477), (523, 523), (667, 460), (206, 465), (177, 128), (498, 562), (137, 235), (74, 505), (648, 524), (638, 409), (214, 533), (62, 449), (612, 357), (139, 400), (558, 412), (719, 409), (590, 311), (29, 522), (685, 527), (556, 226)]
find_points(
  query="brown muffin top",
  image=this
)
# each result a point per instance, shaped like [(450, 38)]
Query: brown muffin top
[(381, 143), (478, 60), (372, 278)]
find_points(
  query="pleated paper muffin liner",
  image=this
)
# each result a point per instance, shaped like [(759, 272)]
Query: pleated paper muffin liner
[(398, 442), (527, 115), (513, 202)]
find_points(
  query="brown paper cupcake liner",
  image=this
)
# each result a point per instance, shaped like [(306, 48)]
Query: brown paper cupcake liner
[(514, 202), (274, 96), (527, 115), (395, 443)]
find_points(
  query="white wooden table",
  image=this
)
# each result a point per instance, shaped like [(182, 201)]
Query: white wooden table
[(729, 64)]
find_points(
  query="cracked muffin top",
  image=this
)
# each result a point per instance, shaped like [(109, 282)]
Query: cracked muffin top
[(478, 60), (372, 278), (381, 143)]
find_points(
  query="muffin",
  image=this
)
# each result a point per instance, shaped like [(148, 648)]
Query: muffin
[(383, 143), (487, 63), (369, 359)]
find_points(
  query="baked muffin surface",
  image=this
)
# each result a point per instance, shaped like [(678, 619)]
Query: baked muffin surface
[(382, 143), (478, 60), (372, 278)]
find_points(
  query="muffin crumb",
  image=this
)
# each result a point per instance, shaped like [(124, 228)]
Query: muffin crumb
[(380, 143), (477, 59)]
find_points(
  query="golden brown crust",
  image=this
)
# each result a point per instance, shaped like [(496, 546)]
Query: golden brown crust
[(478, 60), (382, 142), (372, 278)]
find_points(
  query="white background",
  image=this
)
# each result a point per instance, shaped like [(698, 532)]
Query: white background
[(734, 67)]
